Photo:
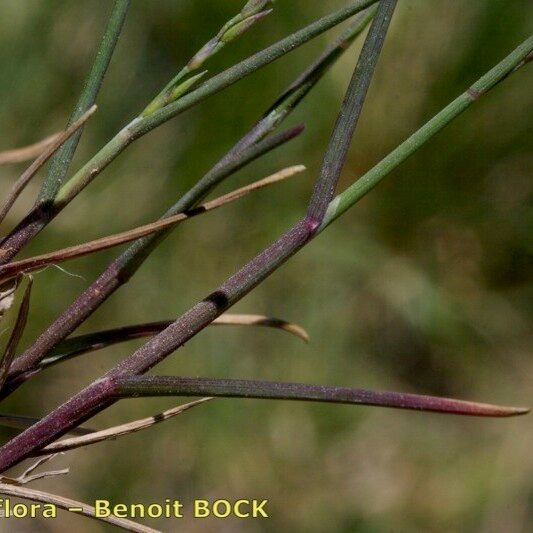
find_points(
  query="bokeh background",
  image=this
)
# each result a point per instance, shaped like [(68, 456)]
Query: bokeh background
[(423, 287)]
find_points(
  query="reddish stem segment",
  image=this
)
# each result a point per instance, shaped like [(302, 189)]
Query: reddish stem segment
[(139, 386)]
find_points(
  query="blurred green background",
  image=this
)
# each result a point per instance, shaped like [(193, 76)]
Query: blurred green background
[(422, 287)]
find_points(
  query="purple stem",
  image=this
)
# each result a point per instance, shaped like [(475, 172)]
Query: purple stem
[(98, 395), (125, 266), (139, 386)]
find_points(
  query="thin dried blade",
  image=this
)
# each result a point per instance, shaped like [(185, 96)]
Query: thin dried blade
[(16, 334), (7, 295), (28, 475), (32, 264), (119, 431), (32, 170), (19, 155), (43, 475), (101, 339), (230, 319)]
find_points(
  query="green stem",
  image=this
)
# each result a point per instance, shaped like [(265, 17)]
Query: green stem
[(40, 216), (228, 32), (97, 396), (368, 181), (140, 126), (350, 111), (61, 161)]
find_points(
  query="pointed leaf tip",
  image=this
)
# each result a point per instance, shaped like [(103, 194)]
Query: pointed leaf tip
[(262, 320), (241, 27)]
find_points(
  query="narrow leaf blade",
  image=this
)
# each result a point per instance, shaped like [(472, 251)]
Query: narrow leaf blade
[(16, 334), (238, 388)]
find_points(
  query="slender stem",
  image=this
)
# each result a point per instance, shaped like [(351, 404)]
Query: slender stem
[(216, 84), (250, 65), (339, 142), (315, 71), (96, 396), (140, 386), (270, 259), (245, 150), (38, 218), (515, 60), (235, 27), (125, 265), (63, 158), (85, 404)]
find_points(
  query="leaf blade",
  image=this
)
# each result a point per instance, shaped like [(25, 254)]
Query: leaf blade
[(136, 386), (16, 334)]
